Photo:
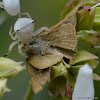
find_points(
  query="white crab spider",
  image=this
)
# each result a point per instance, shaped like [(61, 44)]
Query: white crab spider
[(11, 6), (23, 30)]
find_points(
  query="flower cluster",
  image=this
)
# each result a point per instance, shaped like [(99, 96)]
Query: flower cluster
[(8, 69)]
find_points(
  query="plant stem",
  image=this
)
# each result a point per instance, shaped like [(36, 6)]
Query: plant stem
[(29, 93)]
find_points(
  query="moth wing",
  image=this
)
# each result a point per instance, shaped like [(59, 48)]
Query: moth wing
[(38, 77), (64, 37), (42, 62), (71, 17)]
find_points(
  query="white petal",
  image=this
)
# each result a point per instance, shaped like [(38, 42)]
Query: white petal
[(84, 87), (12, 6)]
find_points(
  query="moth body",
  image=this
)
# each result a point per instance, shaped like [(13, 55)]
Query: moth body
[(36, 46)]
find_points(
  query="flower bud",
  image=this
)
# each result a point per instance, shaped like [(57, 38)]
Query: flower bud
[(9, 68), (85, 18), (3, 87), (84, 87)]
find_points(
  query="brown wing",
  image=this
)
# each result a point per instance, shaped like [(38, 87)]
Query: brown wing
[(42, 62), (38, 77), (63, 34), (64, 37), (70, 18)]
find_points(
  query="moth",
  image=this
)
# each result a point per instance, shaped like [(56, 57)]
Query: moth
[(48, 48)]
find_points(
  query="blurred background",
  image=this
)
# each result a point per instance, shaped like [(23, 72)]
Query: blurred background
[(46, 13)]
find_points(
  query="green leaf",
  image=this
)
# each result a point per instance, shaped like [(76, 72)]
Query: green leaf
[(96, 23), (72, 75), (85, 18), (57, 84), (83, 56), (61, 98), (58, 70), (91, 37), (96, 77), (53, 90), (92, 63)]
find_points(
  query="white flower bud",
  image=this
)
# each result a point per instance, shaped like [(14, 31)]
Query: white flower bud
[(12, 6), (84, 87), (9, 68), (3, 87)]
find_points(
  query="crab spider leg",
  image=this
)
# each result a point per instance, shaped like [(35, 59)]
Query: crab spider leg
[(28, 15), (1, 5), (11, 35), (12, 45), (95, 5), (40, 30), (96, 46), (20, 50)]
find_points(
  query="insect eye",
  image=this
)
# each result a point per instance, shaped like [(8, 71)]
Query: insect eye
[(3, 9), (33, 21), (17, 30), (89, 9)]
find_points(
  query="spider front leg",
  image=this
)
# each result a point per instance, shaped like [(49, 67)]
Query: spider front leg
[(28, 15), (41, 30), (12, 45), (1, 5), (11, 35), (20, 46)]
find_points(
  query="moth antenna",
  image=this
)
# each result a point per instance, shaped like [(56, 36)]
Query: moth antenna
[(95, 5), (47, 47), (9, 52), (95, 46)]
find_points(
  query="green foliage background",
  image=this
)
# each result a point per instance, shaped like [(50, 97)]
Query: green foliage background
[(46, 13)]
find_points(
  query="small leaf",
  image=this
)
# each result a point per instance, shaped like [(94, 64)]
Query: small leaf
[(53, 90), (96, 23), (91, 37), (57, 84), (83, 56), (92, 63), (96, 77), (58, 70), (74, 70), (62, 98), (85, 19)]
